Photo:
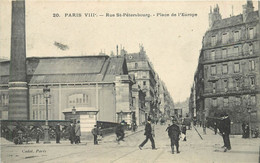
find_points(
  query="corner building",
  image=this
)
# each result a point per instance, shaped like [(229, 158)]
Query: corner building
[(230, 67)]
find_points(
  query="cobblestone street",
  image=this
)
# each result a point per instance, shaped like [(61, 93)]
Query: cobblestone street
[(193, 150)]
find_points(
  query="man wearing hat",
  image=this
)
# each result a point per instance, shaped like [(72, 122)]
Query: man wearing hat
[(225, 125), (120, 133), (57, 133), (94, 131), (174, 134), (148, 134)]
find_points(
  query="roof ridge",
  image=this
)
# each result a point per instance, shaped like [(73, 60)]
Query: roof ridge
[(106, 69)]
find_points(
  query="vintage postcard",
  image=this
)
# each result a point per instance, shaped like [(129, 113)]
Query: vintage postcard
[(129, 81)]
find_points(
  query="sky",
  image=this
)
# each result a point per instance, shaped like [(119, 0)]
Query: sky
[(172, 43)]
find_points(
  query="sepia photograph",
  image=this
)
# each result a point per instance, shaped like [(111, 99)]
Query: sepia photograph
[(140, 81)]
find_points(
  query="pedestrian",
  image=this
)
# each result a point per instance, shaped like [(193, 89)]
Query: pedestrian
[(244, 129), (247, 130), (38, 134), (94, 132), (57, 133), (149, 135), (77, 133), (225, 122), (183, 131), (174, 135), (256, 132), (215, 128), (72, 133), (120, 133)]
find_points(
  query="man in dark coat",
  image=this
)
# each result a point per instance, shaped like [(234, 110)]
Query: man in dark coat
[(120, 133), (149, 135), (225, 122), (94, 132), (57, 133), (174, 134), (72, 133)]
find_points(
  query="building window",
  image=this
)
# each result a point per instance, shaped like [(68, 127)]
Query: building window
[(252, 100), (213, 70), (251, 33), (214, 102), (252, 81), (214, 87), (144, 83), (236, 84), (224, 53), (236, 67), (250, 49), (236, 51), (4, 100), (213, 55), (78, 99), (236, 36), (213, 40), (225, 69), (252, 65), (225, 101), (237, 101), (136, 65), (224, 38), (225, 85)]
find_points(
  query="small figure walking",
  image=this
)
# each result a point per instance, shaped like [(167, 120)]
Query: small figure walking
[(174, 134), (77, 133), (120, 133), (57, 133), (149, 135), (215, 128), (183, 131), (38, 133), (94, 132)]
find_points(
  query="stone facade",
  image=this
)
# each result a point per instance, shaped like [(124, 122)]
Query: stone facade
[(85, 83), (227, 78)]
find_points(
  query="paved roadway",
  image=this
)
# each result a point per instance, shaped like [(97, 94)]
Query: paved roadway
[(194, 150)]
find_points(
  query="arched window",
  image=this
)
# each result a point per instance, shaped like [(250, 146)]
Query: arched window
[(78, 99)]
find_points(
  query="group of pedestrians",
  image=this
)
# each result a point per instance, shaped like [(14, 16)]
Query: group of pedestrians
[(174, 133), (74, 133)]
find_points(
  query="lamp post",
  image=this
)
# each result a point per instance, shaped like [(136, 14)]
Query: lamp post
[(249, 111), (46, 92), (121, 115)]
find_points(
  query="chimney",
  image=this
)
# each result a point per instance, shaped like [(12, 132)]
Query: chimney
[(18, 90), (214, 16), (247, 8)]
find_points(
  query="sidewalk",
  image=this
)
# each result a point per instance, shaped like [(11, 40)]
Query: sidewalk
[(209, 149)]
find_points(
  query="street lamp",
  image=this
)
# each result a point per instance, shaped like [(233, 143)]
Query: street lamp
[(46, 92), (121, 115), (249, 111)]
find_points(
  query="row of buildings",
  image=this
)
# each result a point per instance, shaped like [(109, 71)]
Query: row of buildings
[(101, 87), (86, 88), (227, 78)]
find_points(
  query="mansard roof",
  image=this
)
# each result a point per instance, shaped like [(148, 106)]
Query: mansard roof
[(234, 20), (69, 69)]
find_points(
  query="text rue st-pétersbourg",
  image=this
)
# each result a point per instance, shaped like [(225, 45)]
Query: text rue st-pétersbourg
[(124, 14)]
